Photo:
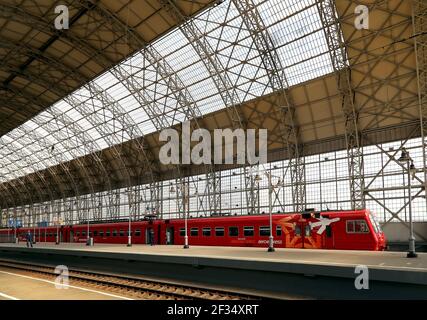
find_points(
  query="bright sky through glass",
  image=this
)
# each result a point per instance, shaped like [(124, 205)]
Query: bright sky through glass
[(296, 31)]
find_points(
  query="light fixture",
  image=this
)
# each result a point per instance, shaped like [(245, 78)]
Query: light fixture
[(404, 157)]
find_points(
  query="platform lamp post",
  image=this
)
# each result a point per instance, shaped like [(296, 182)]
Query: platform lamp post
[(57, 229), (14, 225), (271, 188), (34, 226), (183, 189), (405, 158), (129, 244), (186, 194)]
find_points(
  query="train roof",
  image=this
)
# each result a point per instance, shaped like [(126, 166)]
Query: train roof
[(224, 217)]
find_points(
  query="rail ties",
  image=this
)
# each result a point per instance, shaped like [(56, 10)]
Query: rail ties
[(131, 287)]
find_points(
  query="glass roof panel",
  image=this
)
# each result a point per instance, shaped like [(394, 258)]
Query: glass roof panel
[(293, 25)]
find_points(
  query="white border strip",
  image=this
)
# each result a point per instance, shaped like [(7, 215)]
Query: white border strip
[(7, 296), (69, 286)]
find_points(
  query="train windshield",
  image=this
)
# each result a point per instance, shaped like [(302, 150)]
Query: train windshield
[(375, 224)]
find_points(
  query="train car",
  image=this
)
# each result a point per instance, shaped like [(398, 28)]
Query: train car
[(142, 232), (340, 230)]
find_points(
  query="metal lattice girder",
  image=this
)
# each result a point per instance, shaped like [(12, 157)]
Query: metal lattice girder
[(26, 136), (62, 139), (135, 82), (278, 81), (187, 110), (80, 140), (419, 20), (342, 69), (118, 113), (18, 180), (226, 89), (100, 115), (89, 146), (77, 42), (19, 151)]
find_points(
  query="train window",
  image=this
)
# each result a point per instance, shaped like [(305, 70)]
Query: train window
[(357, 226), (194, 232), (307, 231), (248, 231), (101, 233), (182, 232), (137, 233), (83, 233), (107, 233), (122, 233), (278, 231), (361, 226), (90, 234), (206, 232), (95, 233), (350, 226), (264, 231), (219, 232), (233, 231), (77, 234), (114, 233), (375, 223), (298, 230)]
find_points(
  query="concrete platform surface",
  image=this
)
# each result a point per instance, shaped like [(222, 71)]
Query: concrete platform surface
[(293, 272), (378, 260), (17, 286)]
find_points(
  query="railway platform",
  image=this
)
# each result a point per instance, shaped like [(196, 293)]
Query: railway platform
[(20, 286), (285, 273)]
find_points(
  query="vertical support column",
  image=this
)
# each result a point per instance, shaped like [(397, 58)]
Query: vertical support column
[(284, 108), (419, 20), (113, 209), (338, 54)]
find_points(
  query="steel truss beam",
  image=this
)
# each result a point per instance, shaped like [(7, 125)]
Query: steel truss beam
[(161, 118), (82, 45), (98, 122), (342, 69), (226, 89), (54, 122), (278, 81), (419, 20)]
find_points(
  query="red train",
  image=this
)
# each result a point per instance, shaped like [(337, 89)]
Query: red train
[(342, 230)]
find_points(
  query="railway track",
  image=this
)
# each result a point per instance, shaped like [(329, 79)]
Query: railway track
[(132, 287)]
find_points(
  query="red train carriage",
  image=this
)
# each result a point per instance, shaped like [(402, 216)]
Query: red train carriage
[(342, 230), (349, 230)]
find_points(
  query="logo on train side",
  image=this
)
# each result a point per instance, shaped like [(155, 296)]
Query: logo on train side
[(323, 223)]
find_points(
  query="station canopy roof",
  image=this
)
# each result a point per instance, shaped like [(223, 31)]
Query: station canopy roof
[(126, 69)]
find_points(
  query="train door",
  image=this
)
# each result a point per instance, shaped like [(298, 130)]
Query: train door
[(149, 236), (64, 235), (329, 238), (71, 236), (298, 239), (302, 236), (169, 235)]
